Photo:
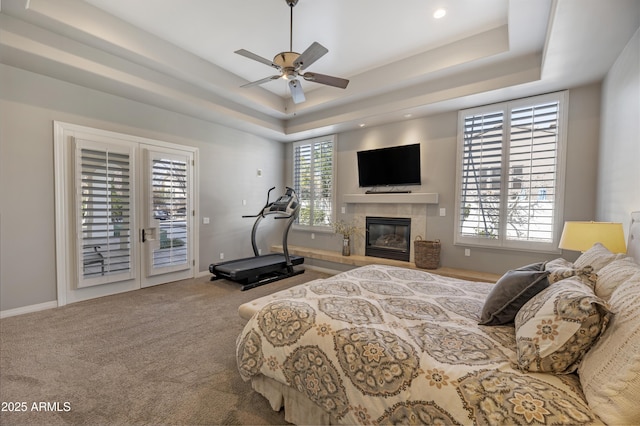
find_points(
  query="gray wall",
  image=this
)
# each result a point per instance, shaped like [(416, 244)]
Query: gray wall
[(604, 190), (438, 136), (29, 103), (619, 167)]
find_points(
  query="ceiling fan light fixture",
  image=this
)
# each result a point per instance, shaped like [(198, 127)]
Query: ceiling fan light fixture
[(290, 74)]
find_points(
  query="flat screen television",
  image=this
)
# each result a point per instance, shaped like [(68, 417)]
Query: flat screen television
[(394, 166)]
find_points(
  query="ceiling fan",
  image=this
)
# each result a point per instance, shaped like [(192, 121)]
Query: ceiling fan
[(290, 64)]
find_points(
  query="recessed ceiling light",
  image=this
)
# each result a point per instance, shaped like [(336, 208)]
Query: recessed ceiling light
[(439, 13), (408, 115), (362, 124)]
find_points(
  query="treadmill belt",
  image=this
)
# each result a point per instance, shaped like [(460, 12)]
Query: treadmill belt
[(250, 263), (251, 268)]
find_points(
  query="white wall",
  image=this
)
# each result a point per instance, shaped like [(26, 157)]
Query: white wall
[(438, 136), (29, 103), (619, 167)]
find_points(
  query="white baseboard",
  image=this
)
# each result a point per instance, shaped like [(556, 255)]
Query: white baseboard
[(28, 309), (203, 274)]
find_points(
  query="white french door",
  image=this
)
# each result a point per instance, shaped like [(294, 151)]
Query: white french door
[(125, 212), (166, 233), (105, 207)]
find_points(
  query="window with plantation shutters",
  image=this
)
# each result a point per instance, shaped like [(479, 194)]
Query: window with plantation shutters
[(105, 226), (169, 193), (313, 180), (510, 169)]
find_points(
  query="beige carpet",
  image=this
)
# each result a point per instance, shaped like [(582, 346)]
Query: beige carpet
[(161, 355)]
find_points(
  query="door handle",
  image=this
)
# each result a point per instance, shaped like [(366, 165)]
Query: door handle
[(148, 234)]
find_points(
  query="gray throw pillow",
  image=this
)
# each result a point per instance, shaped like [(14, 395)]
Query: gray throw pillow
[(538, 266), (510, 293)]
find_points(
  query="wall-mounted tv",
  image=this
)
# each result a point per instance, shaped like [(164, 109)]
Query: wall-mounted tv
[(394, 166)]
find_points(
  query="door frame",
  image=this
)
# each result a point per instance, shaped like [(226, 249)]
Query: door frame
[(63, 137)]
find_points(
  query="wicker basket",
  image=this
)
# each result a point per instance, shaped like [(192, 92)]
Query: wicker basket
[(427, 253)]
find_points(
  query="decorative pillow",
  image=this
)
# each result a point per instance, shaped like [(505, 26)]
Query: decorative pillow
[(559, 272), (598, 256), (512, 291), (558, 263), (614, 274), (557, 326), (610, 371), (538, 266)]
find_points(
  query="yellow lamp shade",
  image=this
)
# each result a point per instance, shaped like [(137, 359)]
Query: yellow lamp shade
[(581, 236)]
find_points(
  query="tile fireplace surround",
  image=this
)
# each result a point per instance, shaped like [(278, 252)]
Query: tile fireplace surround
[(413, 206)]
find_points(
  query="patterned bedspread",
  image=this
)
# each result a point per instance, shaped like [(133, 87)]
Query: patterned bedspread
[(384, 345)]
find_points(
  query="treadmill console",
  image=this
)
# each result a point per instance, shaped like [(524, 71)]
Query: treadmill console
[(286, 204)]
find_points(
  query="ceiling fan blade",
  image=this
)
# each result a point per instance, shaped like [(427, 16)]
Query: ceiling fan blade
[(326, 79), (309, 56), (296, 91), (251, 55), (261, 81)]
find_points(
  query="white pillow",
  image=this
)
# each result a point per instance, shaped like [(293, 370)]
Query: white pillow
[(614, 274), (598, 256), (610, 370)]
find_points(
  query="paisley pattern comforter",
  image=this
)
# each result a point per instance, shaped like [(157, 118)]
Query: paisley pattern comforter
[(380, 345)]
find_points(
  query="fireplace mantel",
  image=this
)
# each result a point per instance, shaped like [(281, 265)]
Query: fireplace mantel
[(400, 198)]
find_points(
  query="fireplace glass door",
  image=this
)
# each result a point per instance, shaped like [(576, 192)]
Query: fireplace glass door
[(388, 237)]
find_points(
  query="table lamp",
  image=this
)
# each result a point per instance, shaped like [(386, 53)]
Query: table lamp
[(581, 236)]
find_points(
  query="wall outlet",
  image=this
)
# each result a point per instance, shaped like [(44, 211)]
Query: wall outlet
[(313, 236), (259, 172), (344, 210), (443, 211), (467, 252), (221, 256), (259, 251), (205, 220)]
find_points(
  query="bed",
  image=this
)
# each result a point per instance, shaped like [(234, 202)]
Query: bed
[(382, 345)]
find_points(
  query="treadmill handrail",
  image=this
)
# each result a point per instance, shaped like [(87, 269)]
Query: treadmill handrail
[(279, 215)]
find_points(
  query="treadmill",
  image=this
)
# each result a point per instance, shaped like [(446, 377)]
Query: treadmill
[(263, 269)]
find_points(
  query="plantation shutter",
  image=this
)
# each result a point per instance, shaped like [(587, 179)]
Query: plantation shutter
[(511, 165), (313, 180), (169, 193), (482, 175), (533, 172), (302, 181), (104, 213)]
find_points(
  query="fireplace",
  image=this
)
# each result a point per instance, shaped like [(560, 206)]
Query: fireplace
[(388, 237)]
